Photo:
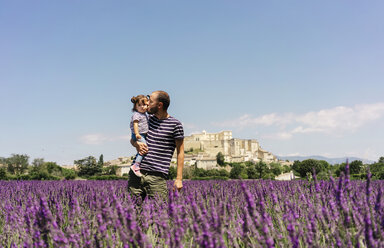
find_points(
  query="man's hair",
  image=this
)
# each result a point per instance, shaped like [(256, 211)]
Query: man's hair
[(163, 97)]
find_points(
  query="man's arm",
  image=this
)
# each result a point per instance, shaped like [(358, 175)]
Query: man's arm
[(180, 164)]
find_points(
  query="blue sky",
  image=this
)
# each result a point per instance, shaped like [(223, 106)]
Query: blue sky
[(301, 77)]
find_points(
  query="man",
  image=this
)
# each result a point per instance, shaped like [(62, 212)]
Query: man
[(165, 134)]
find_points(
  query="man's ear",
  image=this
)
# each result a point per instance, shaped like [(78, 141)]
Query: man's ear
[(161, 105)]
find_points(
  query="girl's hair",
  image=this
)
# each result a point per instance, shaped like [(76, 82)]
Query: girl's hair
[(138, 99)]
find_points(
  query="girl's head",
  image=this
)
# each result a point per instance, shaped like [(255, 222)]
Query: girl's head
[(140, 103)]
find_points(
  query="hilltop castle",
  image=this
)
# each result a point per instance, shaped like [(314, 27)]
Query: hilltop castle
[(202, 148)]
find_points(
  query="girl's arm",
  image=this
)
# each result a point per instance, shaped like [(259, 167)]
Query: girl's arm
[(136, 129)]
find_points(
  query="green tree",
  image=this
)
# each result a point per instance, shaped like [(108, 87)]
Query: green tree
[(223, 173), (339, 168), (110, 170), (37, 166), (381, 160), (261, 169), (323, 165), (286, 169), (199, 172), (53, 168), (69, 174), (101, 161), (377, 169), (355, 167), (306, 167), (275, 168), (17, 163), (88, 166), (3, 173), (38, 162), (238, 171), (220, 159), (251, 172)]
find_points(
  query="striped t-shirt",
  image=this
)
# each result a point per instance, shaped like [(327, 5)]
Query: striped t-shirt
[(161, 143)]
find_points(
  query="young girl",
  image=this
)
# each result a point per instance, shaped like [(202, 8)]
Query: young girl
[(139, 127)]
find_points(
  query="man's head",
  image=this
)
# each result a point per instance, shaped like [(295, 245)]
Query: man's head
[(158, 101)]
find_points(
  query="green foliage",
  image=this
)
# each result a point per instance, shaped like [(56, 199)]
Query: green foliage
[(53, 168), (220, 159), (269, 176), (361, 176), (238, 171), (377, 169), (3, 173), (42, 175), (110, 170), (192, 151), (210, 178), (199, 172), (41, 170), (17, 163), (223, 173), (88, 167), (251, 172), (214, 173), (3, 160), (306, 167), (38, 162), (381, 160), (261, 169), (172, 173), (323, 175), (286, 169), (355, 167), (107, 177), (276, 168), (69, 174), (101, 161), (339, 168)]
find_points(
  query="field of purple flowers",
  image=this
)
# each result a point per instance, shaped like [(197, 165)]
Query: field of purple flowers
[(251, 213)]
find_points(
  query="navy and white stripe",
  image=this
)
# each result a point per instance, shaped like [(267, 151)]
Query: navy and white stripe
[(161, 143)]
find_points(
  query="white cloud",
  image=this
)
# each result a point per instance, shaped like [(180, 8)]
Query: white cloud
[(279, 136), (335, 120), (93, 139), (265, 120), (98, 138)]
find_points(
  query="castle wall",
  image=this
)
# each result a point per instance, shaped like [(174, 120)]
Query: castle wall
[(234, 150)]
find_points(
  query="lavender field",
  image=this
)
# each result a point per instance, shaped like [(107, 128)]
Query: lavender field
[(250, 213)]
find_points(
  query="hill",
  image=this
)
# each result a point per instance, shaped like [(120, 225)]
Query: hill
[(329, 160)]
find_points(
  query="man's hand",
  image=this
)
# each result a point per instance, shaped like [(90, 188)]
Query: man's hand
[(178, 185), (141, 148), (138, 136)]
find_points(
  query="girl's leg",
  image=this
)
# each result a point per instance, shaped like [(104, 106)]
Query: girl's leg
[(136, 165), (140, 157)]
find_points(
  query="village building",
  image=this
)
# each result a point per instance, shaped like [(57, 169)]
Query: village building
[(202, 149), (123, 165)]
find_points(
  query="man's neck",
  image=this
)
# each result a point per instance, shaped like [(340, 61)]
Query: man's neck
[(162, 115)]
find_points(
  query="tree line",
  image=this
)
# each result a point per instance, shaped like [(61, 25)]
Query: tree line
[(17, 167), (241, 170), (324, 170)]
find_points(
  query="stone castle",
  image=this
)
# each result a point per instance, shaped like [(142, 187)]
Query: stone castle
[(202, 148)]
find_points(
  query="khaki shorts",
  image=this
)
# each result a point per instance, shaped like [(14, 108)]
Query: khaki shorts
[(150, 184)]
